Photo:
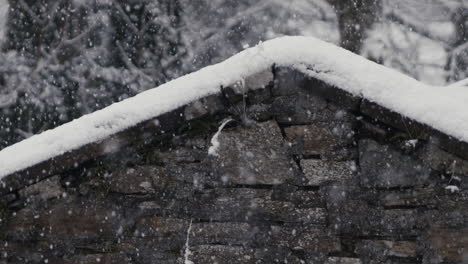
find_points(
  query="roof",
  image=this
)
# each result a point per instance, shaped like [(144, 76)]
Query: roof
[(442, 108)]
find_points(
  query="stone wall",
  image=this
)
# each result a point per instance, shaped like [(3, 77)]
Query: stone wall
[(304, 174)]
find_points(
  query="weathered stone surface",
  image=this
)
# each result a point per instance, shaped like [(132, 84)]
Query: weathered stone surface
[(375, 249), (325, 139), (134, 180), (259, 112), (230, 234), (418, 197), (311, 139), (221, 254), (356, 217), (76, 220), (311, 239), (412, 128), (157, 226), (318, 172), (443, 161), (338, 260), (243, 204), (253, 156), (259, 80), (382, 166), (329, 92), (300, 109), (286, 82), (449, 245), (300, 198), (42, 191), (208, 105), (100, 259)]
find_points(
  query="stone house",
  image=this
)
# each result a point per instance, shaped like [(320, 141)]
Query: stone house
[(305, 172)]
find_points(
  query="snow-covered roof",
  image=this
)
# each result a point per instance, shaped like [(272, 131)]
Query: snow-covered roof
[(443, 108)]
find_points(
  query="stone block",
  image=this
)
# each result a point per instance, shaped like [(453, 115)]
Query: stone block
[(252, 156), (205, 106), (158, 226), (259, 112), (100, 259), (311, 139), (67, 222), (342, 260), (221, 254), (259, 80), (383, 249), (42, 191), (137, 180), (286, 81), (448, 245), (309, 239), (244, 204), (383, 167), (418, 197), (357, 218), (327, 139), (229, 234), (319, 172), (442, 160), (301, 109), (300, 198), (330, 92), (412, 128)]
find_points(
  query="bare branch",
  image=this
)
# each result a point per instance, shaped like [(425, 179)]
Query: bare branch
[(127, 19), (416, 27)]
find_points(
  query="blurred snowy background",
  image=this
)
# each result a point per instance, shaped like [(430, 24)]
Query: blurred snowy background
[(61, 59)]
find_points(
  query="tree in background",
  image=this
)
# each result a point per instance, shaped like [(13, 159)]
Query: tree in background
[(65, 58), (68, 58), (355, 19)]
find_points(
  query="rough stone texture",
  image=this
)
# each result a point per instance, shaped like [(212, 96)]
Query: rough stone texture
[(338, 260), (311, 139), (382, 166), (202, 107), (305, 174), (42, 191), (318, 172), (449, 245), (253, 156)]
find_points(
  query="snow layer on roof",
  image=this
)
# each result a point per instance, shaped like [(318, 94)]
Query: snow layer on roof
[(443, 108)]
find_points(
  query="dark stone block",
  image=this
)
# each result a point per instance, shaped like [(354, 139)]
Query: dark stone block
[(340, 97), (222, 254), (250, 205), (384, 167), (319, 172), (229, 234), (412, 128), (76, 221), (252, 156), (306, 238), (301, 109), (448, 245), (450, 144), (205, 106), (286, 81)]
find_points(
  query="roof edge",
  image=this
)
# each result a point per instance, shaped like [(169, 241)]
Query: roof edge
[(323, 61)]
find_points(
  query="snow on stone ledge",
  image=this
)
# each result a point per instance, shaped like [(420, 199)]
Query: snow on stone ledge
[(443, 108)]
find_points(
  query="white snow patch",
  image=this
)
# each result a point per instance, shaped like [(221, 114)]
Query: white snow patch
[(213, 150), (442, 108), (452, 188), (187, 252), (411, 143)]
